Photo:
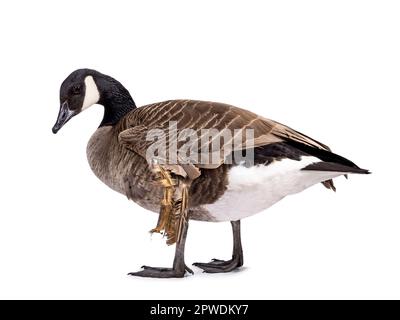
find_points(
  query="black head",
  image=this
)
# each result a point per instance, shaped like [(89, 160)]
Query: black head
[(85, 87)]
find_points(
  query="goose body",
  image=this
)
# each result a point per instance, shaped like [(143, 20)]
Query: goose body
[(225, 193), (284, 161)]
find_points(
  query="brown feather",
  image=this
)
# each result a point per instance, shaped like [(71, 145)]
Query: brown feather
[(173, 207), (200, 115)]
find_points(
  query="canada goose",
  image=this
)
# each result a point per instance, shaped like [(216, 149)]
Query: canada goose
[(283, 161)]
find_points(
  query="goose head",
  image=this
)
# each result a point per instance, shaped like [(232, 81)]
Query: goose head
[(84, 88)]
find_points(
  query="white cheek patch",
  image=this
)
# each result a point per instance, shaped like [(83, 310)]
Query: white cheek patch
[(92, 94)]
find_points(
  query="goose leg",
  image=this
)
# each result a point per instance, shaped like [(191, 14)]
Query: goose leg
[(216, 265), (178, 268)]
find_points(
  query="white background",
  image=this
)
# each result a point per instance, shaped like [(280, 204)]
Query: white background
[(330, 69)]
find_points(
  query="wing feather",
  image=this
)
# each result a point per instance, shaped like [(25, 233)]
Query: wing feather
[(197, 115)]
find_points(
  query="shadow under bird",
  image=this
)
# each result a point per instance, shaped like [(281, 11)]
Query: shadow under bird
[(284, 162)]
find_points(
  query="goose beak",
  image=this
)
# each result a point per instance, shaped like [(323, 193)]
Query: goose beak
[(63, 116)]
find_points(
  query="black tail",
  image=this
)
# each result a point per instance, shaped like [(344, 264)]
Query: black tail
[(335, 167), (330, 161)]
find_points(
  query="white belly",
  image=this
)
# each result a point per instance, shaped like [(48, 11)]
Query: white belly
[(254, 189)]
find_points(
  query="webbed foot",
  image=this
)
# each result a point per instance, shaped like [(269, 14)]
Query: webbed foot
[(157, 272), (218, 266)]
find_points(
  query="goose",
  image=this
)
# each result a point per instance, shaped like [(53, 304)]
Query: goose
[(273, 161)]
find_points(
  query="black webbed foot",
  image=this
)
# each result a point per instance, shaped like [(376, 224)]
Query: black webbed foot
[(157, 272), (218, 266)]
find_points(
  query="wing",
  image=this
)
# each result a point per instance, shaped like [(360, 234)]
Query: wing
[(148, 129), (139, 139)]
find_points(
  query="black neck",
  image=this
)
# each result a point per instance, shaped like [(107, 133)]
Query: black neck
[(113, 112), (115, 98)]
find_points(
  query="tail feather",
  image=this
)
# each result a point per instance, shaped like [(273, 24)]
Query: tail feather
[(334, 167), (324, 155), (329, 185)]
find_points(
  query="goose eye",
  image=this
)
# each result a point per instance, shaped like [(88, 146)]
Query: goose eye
[(76, 90)]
